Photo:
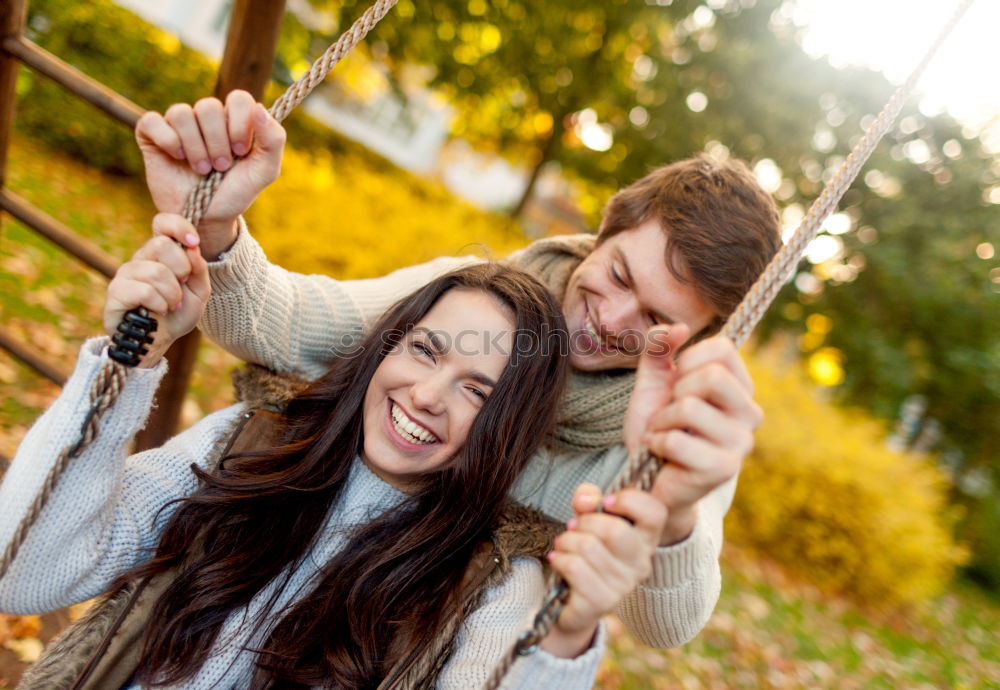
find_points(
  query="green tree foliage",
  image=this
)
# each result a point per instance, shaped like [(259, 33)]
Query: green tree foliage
[(912, 307), (108, 43)]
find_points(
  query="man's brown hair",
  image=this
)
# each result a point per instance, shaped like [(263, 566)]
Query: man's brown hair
[(722, 229)]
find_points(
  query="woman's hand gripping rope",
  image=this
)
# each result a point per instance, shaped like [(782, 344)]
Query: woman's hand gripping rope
[(167, 276)]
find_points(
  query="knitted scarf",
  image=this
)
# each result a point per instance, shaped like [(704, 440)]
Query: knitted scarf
[(593, 410)]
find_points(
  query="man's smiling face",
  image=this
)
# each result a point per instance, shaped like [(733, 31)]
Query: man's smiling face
[(618, 292)]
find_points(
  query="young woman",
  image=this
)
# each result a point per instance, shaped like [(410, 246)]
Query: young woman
[(347, 551)]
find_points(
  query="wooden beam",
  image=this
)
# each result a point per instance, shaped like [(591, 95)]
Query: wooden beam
[(73, 80), (12, 15), (251, 43), (246, 64), (50, 370), (58, 233)]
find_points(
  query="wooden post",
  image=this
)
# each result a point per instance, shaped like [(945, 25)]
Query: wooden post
[(12, 16), (251, 44)]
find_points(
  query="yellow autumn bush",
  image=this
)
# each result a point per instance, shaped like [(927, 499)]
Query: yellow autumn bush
[(821, 493), (824, 496), (345, 218)]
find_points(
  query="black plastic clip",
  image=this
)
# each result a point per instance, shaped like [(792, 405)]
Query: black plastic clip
[(135, 332)]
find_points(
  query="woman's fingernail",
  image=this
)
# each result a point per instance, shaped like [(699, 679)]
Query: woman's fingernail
[(572, 523), (203, 167), (609, 501), (191, 239), (178, 307), (239, 148), (222, 164), (550, 555)]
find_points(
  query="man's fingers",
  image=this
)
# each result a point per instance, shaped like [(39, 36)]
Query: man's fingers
[(700, 462), (211, 118), (654, 379), (658, 355), (153, 129), (716, 349), (239, 105), (702, 419), (181, 117), (717, 384)]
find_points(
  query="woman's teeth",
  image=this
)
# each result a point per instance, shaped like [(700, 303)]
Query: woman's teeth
[(591, 331), (408, 429)]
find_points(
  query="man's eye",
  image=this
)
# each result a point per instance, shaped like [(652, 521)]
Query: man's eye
[(617, 277)]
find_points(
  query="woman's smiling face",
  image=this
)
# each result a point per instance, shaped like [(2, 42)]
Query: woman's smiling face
[(425, 394)]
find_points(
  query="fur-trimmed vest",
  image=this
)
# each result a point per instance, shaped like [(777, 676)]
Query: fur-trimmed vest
[(101, 650)]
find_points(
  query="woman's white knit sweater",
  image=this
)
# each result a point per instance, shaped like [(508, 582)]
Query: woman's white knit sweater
[(105, 514), (299, 323)]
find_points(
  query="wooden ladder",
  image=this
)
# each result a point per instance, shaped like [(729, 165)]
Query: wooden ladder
[(251, 43)]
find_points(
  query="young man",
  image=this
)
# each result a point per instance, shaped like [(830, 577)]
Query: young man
[(675, 254)]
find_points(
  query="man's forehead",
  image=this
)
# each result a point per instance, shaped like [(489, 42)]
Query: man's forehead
[(659, 278)]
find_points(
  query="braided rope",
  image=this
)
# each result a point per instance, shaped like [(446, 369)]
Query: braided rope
[(640, 469), (103, 392), (111, 376), (763, 292), (201, 196)]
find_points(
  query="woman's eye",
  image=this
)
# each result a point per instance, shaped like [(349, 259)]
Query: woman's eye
[(422, 349), (478, 393)]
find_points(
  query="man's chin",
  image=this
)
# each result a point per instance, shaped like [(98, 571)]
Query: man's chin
[(598, 361)]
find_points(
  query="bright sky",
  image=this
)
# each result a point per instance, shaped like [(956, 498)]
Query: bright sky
[(892, 36)]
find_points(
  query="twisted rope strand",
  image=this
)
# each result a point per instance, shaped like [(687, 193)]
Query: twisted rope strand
[(749, 312), (201, 196), (103, 393), (640, 468), (111, 377)]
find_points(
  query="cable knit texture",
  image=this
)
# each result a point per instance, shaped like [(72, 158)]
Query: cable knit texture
[(108, 512), (299, 323)]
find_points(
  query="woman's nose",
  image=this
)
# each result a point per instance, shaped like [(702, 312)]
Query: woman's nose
[(428, 394)]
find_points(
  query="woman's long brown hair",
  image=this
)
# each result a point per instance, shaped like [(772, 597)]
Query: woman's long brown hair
[(385, 594)]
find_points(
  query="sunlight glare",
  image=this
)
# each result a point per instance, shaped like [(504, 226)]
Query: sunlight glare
[(893, 35)]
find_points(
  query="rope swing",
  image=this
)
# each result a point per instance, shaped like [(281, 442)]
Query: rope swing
[(134, 332), (640, 469)]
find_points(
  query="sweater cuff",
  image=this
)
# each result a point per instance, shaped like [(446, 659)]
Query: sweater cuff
[(543, 670), (682, 562), (235, 267), (95, 351), (135, 399)]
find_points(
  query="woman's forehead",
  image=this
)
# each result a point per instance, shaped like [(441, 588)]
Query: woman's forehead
[(470, 324)]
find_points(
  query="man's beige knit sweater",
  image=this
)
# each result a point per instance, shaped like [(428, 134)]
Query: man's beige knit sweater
[(299, 323)]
